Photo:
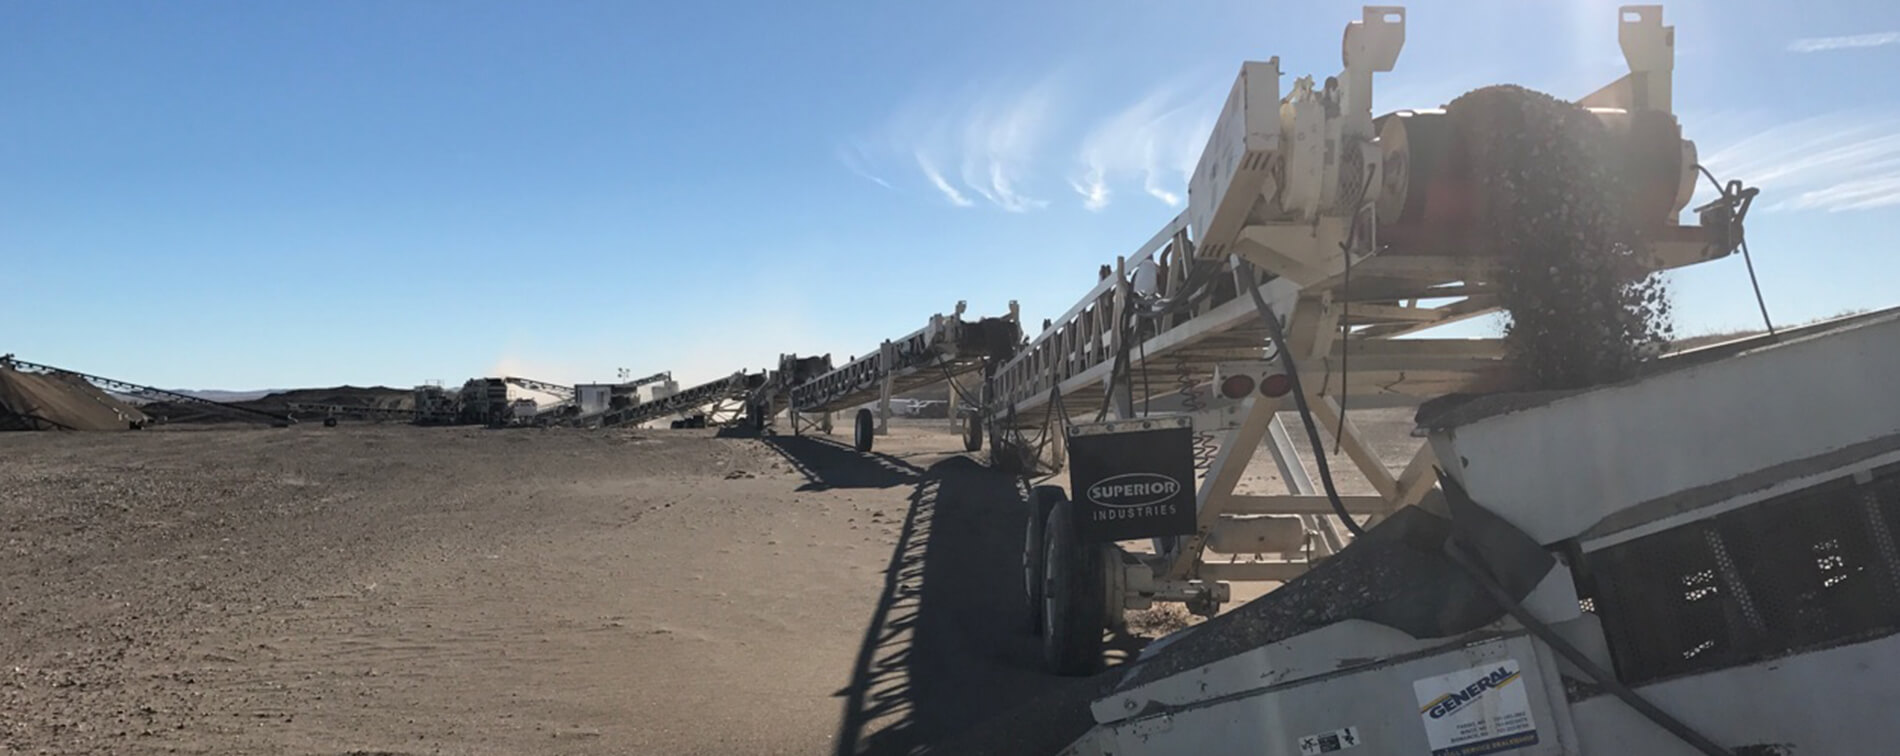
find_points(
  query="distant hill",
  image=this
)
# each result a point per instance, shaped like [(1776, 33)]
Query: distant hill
[(277, 402)]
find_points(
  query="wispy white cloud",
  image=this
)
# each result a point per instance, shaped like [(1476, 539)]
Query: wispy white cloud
[(983, 144), (998, 145), (856, 161), (1834, 162), (1823, 44), (1000, 141), (1157, 139), (1094, 192), (937, 180)]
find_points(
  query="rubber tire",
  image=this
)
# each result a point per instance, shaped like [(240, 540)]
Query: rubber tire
[(1074, 597), (973, 434), (1042, 499), (329, 422), (865, 431)]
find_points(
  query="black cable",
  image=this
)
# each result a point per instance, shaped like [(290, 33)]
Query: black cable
[(1146, 393), (962, 395), (1116, 372), (1299, 399), (1345, 342), (1749, 261), (1345, 308), (1738, 199), (1121, 373), (1061, 411), (1193, 290), (1571, 653)]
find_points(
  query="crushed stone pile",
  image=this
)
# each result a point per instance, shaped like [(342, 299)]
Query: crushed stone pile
[(58, 401)]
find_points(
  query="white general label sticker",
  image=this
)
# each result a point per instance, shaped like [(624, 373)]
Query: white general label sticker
[(1328, 742), (1476, 711)]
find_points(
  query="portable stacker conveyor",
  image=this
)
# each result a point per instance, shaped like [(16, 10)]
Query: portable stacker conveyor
[(664, 375), (558, 391), (948, 349), (731, 390), (1306, 209), (150, 393)]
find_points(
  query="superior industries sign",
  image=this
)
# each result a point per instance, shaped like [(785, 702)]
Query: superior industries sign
[(1132, 482)]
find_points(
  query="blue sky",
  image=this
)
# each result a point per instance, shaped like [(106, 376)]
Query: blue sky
[(237, 194)]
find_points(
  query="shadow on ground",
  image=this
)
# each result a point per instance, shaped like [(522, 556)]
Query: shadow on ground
[(947, 646), (828, 464)]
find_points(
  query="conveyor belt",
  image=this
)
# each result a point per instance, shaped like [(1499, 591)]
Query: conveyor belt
[(737, 386), (555, 389), (150, 393), (946, 348)]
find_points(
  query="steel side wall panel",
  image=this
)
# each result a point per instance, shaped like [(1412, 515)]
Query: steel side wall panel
[(1558, 469), (1308, 655), (1249, 122), (1839, 701), (1379, 701)]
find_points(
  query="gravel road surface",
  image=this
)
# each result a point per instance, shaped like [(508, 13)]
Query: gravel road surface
[(396, 590)]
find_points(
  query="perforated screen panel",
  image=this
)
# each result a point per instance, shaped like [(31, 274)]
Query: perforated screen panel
[(1813, 568)]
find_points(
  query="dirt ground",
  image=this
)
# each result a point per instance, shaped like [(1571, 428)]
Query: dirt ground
[(397, 590)]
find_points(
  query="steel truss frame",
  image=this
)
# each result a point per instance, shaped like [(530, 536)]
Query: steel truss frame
[(557, 390), (947, 348), (737, 386)]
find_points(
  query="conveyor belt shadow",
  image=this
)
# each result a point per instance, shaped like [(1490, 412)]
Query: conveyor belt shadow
[(828, 464), (947, 648)]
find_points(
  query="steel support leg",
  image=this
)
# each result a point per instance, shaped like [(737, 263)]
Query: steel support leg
[(955, 405), (1286, 457), (1211, 500), (1326, 413), (1125, 398), (884, 407)]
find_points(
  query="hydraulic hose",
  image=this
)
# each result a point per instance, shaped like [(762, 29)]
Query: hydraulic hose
[(1299, 399)]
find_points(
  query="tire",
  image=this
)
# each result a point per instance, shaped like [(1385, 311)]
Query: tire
[(329, 422), (1073, 601), (865, 429), (1042, 499), (973, 434)]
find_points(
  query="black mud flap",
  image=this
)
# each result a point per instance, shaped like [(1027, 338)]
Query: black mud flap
[(1132, 479)]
